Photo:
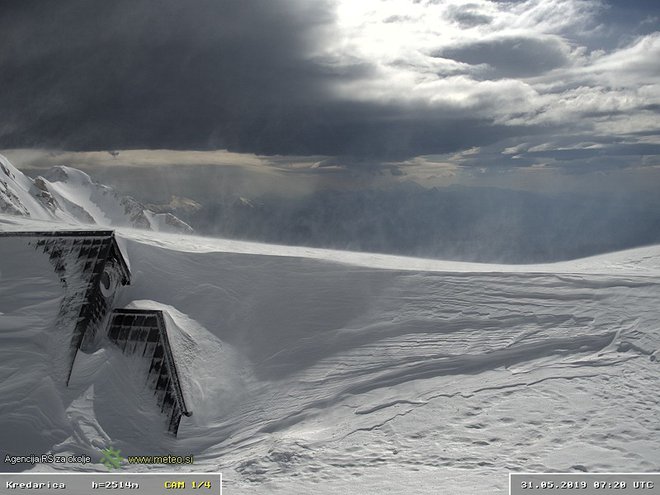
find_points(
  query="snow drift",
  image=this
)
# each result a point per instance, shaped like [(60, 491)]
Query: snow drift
[(344, 372)]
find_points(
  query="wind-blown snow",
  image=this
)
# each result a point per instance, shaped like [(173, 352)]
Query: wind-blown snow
[(335, 372)]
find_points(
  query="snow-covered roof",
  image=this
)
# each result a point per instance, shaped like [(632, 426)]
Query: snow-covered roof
[(143, 332)]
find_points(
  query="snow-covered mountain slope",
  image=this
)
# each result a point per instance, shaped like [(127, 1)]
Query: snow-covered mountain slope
[(69, 195), (335, 372)]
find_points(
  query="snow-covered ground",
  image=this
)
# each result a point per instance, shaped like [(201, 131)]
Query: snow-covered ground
[(70, 195), (310, 370)]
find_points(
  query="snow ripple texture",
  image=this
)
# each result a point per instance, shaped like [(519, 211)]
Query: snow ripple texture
[(337, 372)]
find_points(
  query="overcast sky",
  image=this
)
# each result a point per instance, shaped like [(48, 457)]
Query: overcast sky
[(569, 84)]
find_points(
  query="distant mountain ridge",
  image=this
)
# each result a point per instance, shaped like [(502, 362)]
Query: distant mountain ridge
[(70, 195)]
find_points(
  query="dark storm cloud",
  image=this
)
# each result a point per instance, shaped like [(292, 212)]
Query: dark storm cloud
[(510, 56), (198, 75), (292, 77), (157, 73)]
